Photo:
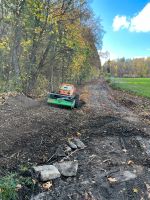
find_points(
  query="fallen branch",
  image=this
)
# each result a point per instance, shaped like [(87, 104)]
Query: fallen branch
[(69, 155), (106, 160), (51, 157)]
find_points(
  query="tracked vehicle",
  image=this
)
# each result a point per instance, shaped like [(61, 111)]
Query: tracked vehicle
[(66, 96)]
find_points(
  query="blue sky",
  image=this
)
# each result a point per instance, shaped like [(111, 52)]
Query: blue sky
[(127, 26)]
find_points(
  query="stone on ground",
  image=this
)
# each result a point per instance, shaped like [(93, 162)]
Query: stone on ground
[(67, 168), (79, 143), (60, 152), (124, 176), (47, 172), (41, 196), (67, 149), (72, 145)]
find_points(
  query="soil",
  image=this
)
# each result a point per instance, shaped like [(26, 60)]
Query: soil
[(114, 127)]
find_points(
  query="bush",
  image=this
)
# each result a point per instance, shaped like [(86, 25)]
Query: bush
[(8, 187)]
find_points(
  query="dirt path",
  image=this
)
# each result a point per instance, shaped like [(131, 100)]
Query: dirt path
[(117, 140)]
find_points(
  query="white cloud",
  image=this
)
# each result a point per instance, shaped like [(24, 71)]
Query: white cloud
[(138, 23), (141, 22), (120, 22)]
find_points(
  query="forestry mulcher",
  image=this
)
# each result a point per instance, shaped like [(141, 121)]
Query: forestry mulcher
[(66, 96)]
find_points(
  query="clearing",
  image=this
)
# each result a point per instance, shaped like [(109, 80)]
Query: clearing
[(114, 127)]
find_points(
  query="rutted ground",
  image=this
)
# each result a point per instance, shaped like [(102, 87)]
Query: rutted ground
[(117, 140)]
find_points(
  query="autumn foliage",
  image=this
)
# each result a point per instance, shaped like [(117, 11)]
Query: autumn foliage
[(45, 42)]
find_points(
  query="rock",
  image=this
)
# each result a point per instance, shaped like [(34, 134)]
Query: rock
[(124, 176), (67, 168), (79, 143), (67, 149), (41, 196), (47, 172), (72, 145), (60, 152)]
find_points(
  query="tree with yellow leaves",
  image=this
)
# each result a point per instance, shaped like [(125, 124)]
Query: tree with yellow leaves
[(51, 39)]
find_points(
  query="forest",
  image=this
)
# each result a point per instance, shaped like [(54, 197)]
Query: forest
[(136, 67), (46, 42)]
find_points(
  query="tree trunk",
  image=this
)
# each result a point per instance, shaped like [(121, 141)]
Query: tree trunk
[(34, 75), (16, 50)]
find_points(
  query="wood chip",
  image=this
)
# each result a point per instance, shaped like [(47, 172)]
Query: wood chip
[(47, 185), (130, 162), (135, 190), (112, 180), (18, 187), (124, 150)]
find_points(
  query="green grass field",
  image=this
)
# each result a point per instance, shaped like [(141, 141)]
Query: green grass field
[(138, 86)]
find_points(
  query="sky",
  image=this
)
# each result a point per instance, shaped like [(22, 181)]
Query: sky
[(127, 27)]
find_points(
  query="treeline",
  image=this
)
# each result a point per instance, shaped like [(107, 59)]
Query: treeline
[(45, 42), (138, 67)]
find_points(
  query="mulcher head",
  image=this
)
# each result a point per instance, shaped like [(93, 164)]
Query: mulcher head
[(58, 99)]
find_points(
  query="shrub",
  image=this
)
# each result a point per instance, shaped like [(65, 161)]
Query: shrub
[(8, 187)]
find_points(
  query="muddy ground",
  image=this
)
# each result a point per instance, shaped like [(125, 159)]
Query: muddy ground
[(113, 125)]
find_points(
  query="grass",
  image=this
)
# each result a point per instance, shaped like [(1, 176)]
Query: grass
[(8, 187), (138, 86), (9, 183)]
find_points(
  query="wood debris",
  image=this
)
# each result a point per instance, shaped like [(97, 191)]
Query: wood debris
[(47, 185), (130, 162), (112, 180)]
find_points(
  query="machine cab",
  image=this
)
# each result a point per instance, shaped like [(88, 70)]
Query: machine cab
[(67, 89)]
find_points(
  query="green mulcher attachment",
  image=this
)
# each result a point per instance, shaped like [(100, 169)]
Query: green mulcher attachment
[(58, 99)]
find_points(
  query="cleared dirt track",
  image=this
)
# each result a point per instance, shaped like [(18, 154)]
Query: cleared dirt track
[(114, 165)]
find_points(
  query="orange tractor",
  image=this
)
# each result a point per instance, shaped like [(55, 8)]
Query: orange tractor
[(66, 96)]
